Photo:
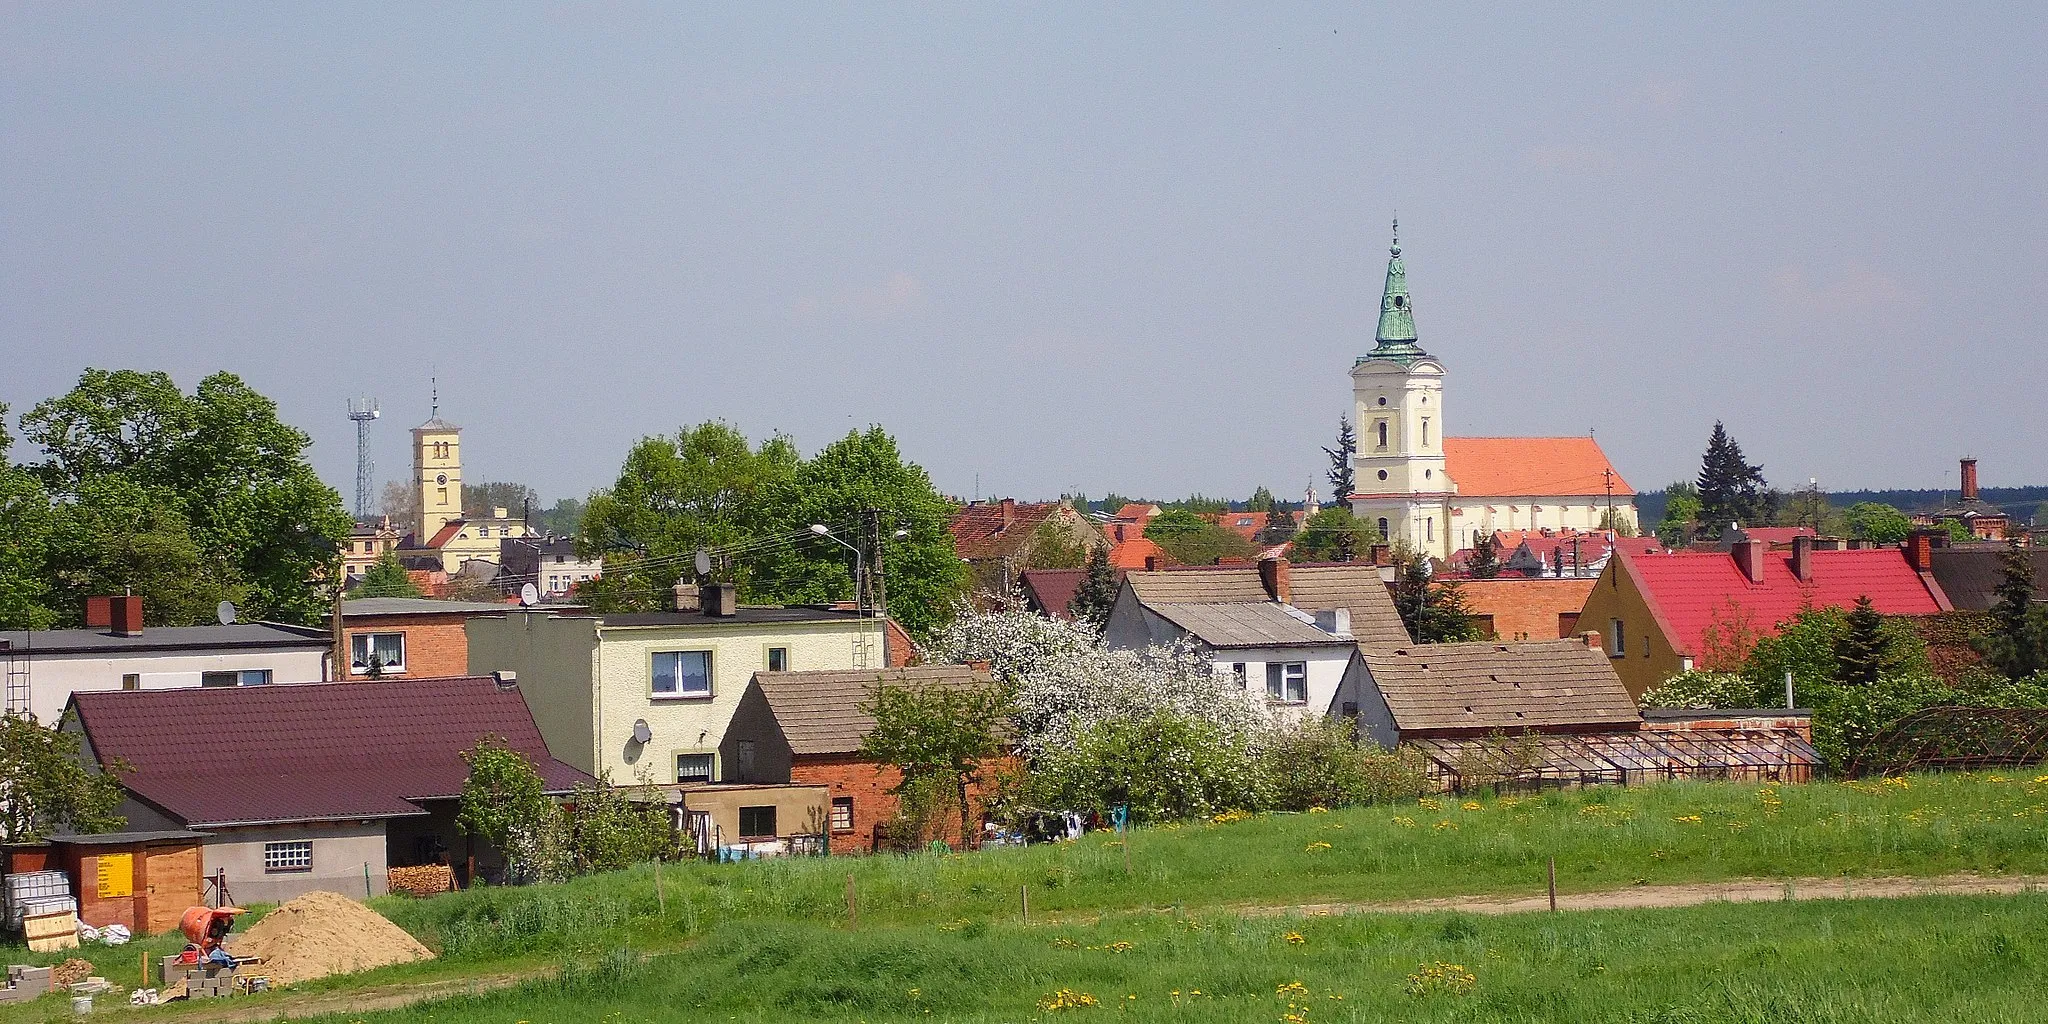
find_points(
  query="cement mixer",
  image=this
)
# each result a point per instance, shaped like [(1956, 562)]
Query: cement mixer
[(206, 968), (205, 929)]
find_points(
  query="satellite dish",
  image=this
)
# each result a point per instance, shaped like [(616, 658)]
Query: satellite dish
[(529, 595), (703, 562), (641, 733), (225, 612)]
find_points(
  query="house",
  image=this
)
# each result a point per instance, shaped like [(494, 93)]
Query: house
[(549, 563), (1137, 553), (310, 786), (1979, 518), (1283, 629), (1667, 613), (805, 729), (1970, 575), (1555, 553), (44, 667), (368, 540), (1437, 493), (1129, 521), (649, 695), (999, 538), (1049, 592), (1438, 691), (396, 637), (1517, 609)]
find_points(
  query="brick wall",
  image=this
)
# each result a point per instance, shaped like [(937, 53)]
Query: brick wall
[(868, 785), (1526, 609), (435, 645)]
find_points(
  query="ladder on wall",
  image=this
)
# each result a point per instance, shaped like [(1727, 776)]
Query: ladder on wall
[(16, 665)]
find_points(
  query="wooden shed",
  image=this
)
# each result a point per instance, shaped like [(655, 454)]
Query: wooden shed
[(141, 880)]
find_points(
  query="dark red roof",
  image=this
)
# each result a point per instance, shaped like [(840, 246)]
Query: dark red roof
[(1052, 590), (237, 755), (1689, 590)]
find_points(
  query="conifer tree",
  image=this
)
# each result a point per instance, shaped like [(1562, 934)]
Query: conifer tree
[(1433, 612), (1279, 523), (1097, 592), (1862, 651), (1340, 461), (1730, 489), (1485, 563), (2018, 644)]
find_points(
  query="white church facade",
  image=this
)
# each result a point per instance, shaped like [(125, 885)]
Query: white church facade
[(1439, 494)]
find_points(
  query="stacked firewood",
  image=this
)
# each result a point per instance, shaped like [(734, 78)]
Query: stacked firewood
[(425, 880)]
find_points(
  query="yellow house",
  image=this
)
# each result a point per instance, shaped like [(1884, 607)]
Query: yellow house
[(442, 530), (649, 695)]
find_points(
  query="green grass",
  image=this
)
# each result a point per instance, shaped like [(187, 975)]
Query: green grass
[(1975, 959)]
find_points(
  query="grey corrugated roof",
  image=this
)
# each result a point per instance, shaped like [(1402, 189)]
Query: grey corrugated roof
[(416, 606), (1207, 585), (820, 712), (240, 635), (1245, 624), (1353, 585), (746, 613), (1500, 686)]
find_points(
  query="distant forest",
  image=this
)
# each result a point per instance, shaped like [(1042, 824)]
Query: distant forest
[(2026, 504)]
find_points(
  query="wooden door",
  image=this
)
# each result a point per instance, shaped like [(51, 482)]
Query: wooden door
[(170, 884)]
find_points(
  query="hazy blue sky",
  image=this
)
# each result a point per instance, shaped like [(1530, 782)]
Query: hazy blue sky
[(1053, 246)]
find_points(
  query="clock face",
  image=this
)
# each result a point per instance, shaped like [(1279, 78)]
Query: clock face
[(441, 479)]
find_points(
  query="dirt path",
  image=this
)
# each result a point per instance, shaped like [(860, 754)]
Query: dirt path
[(1757, 890), (391, 996)]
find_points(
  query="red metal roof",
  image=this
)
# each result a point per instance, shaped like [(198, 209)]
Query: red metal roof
[(1052, 590), (309, 751), (1690, 590)]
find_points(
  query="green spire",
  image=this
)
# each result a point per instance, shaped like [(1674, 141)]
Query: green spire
[(1396, 335)]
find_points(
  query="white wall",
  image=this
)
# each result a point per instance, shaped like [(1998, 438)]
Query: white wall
[(1325, 673), (53, 678)]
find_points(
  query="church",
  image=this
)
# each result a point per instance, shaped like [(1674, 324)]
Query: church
[(443, 536), (1438, 493)]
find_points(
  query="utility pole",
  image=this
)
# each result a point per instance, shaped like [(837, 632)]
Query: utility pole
[(1608, 475), (362, 411)]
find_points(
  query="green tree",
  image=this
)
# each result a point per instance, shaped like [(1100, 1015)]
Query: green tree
[(1681, 514), (504, 802), (2018, 642), (1340, 471), (386, 577), (615, 827), (1731, 489), (482, 498), (48, 786), (1097, 592), (1261, 498), (219, 461), (1053, 546), (1163, 766), (1433, 611), (26, 521), (1279, 527), (1485, 563), (1333, 535), (118, 536), (1876, 521), (562, 519), (1808, 507), (1862, 650), (1193, 540), (938, 735), (1199, 504)]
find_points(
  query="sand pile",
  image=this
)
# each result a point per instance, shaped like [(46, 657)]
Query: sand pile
[(322, 933)]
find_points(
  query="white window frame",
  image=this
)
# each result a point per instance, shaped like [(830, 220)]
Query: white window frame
[(676, 690), (834, 821), (1285, 676), (288, 855), (369, 642), (1617, 641)]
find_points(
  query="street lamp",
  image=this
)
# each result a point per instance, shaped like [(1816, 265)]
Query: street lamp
[(859, 562)]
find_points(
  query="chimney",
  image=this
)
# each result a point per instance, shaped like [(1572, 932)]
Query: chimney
[(1382, 554), (686, 597), (1592, 639), (1749, 557), (505, 680), (501, 513), (1334, 621), (1969, 479), (1275, 576), (1802, 559), (99, 612), (1920, 545), (127, 615), (719, 600), (1151, 563), (1009, 512)]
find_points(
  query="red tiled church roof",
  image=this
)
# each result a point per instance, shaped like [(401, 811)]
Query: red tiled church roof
[(1529, 467), (1690, 590)]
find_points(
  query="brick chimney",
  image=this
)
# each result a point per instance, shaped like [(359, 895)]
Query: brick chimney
[(719, 600), (1151, 563), (1749, 558), (127, 616), (686, 597), (1009, 512), (1969, 479), (1592, 639), (1920, 545), (1802, 559), (99, 613), (1275, 576)]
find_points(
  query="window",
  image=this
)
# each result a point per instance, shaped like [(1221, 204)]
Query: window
[(292, 855), (1618, 646), (757, 822), (842, 814), (246, 677), (682, 674), (1383, 435), (1400, 301), (1383, 474), (1429, 525), (440, 495), (1383, 528), (778, 659), (1237, 676), (1287, 682), (131, 681), (695, 767), (743, 760), (1425, 431), (1383, 399), (376, 653)]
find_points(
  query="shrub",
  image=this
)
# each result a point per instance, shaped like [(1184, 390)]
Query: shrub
[(1164, 767), (1703, 690), (1317, 763)]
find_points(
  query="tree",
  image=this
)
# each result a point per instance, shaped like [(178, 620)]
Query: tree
[(1199, 504), (387, 578), (1730, 489), (217, 467), (1434, 612), (401, 503), (1876, 521), (2018, 643), (26, 521), (1333, 535), (482, 499), (1485, 562), (1261, 499), (45, 786), (1863, 649), (1193, 540), (1054, 546), (937, 735), (1808, 507), (505, 803), (562, 519), (1279, 524), (1097, 592), (1340, 472), (1681, 514)]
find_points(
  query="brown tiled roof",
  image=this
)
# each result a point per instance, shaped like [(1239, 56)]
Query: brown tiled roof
[(1485, 686), (820, 712), (1313, 588), (1208, 584), (214, 756), (1259, 623), (1052, 590), (993, 529)]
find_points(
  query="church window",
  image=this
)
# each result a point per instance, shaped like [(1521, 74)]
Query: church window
[(441, 496), (1400, 300), (1383, 399), (1425, 429), (1383, 527), (1428, 474), (1383, 474), (1383, 435), (1429, 528)]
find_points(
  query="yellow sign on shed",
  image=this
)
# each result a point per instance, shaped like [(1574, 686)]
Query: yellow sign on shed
[(116, 875)]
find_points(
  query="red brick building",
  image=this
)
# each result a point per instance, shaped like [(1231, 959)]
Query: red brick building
[(805, 728), (408, 637)]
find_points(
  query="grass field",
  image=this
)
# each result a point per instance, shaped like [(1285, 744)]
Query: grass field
[(770, 937)]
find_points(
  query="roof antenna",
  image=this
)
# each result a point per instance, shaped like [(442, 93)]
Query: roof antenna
[(1397, 233), (434, 411)]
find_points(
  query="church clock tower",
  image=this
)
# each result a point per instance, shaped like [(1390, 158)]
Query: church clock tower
[(1397, 405), (437, 472)]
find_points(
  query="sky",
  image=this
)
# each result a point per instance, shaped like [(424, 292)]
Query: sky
[(1052, 248)]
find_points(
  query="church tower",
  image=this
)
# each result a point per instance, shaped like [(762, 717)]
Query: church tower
[(1398, 409), (437, 472)]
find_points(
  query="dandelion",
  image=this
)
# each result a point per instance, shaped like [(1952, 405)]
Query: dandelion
[(1066, 999), (1440, 978), (1295, 939), (1318, 845), (1689, 819), (1897, 783), (1319, 810), (1429, 804), (1592, 810), (1114, 947), (1404, 822), (1446, 825), (1064, 943), (1231, 815), (1470, 805), (1292, 990)]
